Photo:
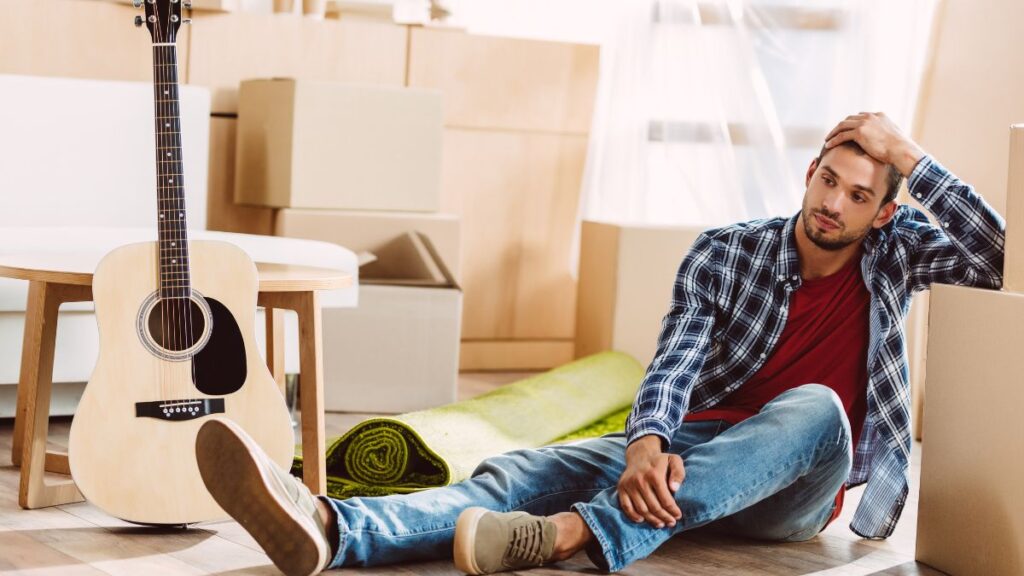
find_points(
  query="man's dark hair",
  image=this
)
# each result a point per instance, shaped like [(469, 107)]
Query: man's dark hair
[(893, 178)]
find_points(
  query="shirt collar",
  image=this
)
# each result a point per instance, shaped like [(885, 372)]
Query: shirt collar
[(787, 265)]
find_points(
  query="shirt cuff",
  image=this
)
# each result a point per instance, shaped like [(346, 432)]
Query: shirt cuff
[(646, 427), (927, 179)]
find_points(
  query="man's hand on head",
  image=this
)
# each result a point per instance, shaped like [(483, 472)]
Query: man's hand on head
[(880, 138), (647, 486)]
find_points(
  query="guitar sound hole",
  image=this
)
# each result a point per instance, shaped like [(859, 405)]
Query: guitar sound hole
[(176, 324)]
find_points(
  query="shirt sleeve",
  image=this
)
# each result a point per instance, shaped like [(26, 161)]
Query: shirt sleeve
[(683, 343), (966, 248)]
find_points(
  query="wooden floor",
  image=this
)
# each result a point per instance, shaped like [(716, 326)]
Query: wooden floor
[(80, 539)]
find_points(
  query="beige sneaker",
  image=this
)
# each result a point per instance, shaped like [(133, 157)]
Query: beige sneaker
[(271, 504), (488, 542)]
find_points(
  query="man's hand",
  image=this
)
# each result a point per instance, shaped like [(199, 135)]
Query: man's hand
[(647, 485), (880, 138)]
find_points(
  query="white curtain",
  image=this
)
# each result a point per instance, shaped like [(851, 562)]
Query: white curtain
[(708, 112)]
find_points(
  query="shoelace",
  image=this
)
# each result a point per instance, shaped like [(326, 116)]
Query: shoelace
[(526, 543)]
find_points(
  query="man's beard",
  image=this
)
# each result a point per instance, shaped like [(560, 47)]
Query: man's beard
[(830, 244)]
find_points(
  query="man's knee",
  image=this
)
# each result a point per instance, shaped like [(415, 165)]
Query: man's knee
[(819, 408)]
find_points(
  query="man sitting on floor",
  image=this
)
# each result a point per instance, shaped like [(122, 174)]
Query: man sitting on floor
[(780, 381)]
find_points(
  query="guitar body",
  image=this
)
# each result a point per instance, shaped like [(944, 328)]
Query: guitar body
[(166, 366)]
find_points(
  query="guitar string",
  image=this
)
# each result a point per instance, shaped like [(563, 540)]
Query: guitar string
[(163, 109), (164, 290), (181, 230), (183, 242), (182, 282)]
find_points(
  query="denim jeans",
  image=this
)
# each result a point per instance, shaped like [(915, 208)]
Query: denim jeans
[(774, 476)]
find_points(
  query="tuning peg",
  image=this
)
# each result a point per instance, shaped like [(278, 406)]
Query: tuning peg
[(186, 3), (137, 3), (138, 21), (186, 21)]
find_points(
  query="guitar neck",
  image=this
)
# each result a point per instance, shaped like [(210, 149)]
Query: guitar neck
[(175, 281)]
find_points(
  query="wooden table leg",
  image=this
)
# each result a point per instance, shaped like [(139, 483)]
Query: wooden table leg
[(311, 385), (275, 346), (34, 388), (311, 392)]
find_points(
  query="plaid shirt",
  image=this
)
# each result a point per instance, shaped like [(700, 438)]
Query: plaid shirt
[(729, 307)]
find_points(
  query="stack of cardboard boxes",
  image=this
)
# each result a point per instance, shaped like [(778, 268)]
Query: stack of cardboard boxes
[(359, 165), (971, 513)]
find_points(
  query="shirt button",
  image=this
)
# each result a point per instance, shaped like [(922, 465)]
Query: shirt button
[(795, 277), (782, 277), (763, 355), (918, 194), (945, 224)]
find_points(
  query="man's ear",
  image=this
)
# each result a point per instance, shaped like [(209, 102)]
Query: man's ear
[(885, 214), (810, 172)]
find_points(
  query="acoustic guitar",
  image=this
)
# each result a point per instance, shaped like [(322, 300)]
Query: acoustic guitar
[(177, 344)]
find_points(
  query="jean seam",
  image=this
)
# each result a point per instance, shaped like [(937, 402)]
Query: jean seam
[(598, 531)]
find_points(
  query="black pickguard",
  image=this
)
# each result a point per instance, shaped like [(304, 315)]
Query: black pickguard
[(220, 367)]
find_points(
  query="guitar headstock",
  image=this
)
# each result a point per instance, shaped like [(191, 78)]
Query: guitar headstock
[(163, 18)]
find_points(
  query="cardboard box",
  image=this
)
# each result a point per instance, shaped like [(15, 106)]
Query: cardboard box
[(205, 5), (229, 48), (625, 285), (221, 211), (517, 194), (514, 355), (326, 145), (399, 350), (369, 231), (971, 511), (506, 83), (1013, 262), (75, 39)]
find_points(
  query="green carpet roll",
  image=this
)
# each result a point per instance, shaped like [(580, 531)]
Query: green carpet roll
[(440, 446)]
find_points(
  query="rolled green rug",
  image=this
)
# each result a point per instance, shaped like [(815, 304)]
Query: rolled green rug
[(583, 399)]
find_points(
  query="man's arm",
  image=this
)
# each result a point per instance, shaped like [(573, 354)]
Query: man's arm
[(646, 486), (967, 246)]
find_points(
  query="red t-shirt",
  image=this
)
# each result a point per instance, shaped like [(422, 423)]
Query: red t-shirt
[(825, 341)]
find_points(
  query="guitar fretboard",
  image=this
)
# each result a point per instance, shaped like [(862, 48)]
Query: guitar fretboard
[(171, 224)]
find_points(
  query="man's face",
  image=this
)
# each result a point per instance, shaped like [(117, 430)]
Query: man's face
[(844, 198)]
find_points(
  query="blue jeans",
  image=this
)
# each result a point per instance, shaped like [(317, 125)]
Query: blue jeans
[(774, 476)]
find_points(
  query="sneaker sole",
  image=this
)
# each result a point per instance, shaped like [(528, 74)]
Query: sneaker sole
[(231, 469), (465, 540)]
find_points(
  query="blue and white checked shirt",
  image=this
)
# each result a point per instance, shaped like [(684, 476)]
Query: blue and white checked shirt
[(729, 307)]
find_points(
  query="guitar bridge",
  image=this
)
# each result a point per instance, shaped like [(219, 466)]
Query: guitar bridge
[(175, 410)]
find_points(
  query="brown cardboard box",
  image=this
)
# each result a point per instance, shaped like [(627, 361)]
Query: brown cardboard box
[(971, 512), (329, 145), (966, 128), (625, 285), (1013, 262), (221, 211), (517, 194), (229, 48), (205, 5), (506, 83), (369, 231), (76, 39), (399, 350)]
